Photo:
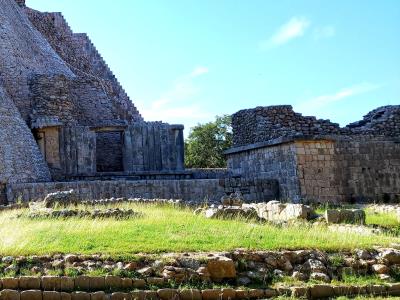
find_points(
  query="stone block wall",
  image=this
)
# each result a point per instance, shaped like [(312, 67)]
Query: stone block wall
[(368, 170), (109, 151), (51, 97), (188, 190), (326, 170), (317, 171), (278, 162), (316, 160), (153, 146)]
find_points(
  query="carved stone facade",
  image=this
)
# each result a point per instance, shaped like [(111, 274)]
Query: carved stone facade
[(316, 160)]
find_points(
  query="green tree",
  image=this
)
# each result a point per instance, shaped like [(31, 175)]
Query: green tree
[(206, 143)]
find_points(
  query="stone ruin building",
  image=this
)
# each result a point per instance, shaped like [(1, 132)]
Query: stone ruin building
[(63, 114), (316, 160), (66, 123)]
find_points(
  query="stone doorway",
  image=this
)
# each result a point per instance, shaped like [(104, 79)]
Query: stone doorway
[(109, 151)]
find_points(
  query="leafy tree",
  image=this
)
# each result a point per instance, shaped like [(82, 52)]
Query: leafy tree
[(206, 143)]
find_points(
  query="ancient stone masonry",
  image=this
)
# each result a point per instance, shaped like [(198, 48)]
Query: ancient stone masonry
[(263, 124), (81, 56), (65, 112), (65, 117), (20, 159), (316, 160)]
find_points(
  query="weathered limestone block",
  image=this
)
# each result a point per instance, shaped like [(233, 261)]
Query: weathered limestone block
[(97, 283), (221, 267), (29, 283), (51, 295), (349, 216), (235, 199), (320, 291), (138, 295), (113, 282), (276, 211), (10, 283), (392, 256), (67, 284), (120, 296), (211, 294), (82, 283), (7, 294), (80, 296), (65, 296), (62, 198), (190, 294), (31, 295), (51, 283), (98, 296), (231, 212), (167, 294)]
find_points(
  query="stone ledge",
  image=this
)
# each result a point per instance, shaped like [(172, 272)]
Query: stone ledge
[(318, 291), (289, 139)]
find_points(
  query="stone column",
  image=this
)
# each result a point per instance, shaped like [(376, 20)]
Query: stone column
[(180, 147)]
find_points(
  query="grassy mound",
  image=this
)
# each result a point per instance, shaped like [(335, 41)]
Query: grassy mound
[(165, 228)]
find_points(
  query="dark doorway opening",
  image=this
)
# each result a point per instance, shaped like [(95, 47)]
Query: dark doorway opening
[(109, 146)]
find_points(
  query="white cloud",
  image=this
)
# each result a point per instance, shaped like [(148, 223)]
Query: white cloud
[(294, 28), (324, 32), (176, 105), (316, 103), (199, 71)]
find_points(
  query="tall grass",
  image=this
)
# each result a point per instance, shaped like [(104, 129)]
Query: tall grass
[(165, 228)]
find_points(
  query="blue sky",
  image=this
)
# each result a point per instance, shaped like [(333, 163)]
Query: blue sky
[(185, 61)]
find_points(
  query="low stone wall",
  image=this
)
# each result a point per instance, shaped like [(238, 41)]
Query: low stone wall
[(239, 271), (187, 190), (193, 190), (317, 291)]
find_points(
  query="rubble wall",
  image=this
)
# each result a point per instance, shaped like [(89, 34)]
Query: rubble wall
[(79, 53), (23, 53)]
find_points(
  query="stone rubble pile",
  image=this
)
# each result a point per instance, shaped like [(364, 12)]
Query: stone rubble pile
[(272, 211), (238, 268), (93, 214), (262, 124), (62, 198)]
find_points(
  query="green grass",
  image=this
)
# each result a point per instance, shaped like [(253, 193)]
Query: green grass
[(388, 220), (165, 228)]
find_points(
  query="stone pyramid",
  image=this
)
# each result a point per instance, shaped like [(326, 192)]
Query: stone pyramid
[(20, 158), (24, 52)]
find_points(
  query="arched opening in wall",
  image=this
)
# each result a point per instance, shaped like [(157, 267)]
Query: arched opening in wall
[(109, 151)]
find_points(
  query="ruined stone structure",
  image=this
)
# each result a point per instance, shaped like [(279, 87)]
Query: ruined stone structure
[(63, 114), (316, 160), (66, 122)]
